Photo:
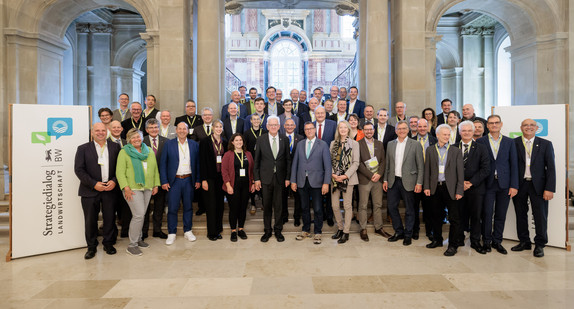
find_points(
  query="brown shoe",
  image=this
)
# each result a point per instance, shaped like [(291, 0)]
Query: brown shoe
[(364, 235), (383, 233), (253, 210)]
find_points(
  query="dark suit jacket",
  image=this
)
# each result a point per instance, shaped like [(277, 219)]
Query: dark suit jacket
[(170, 161), (506, 163), (242, 111), (358, 109), (364, 172), (109, 139), (440, 119), (265, 162), (208, 160), (390, 134), (542, 165), (303, 118), (247, 123), (280, 109), (301, 108), (199, 133), (335, 118), (192, 122), (88, 170), (453, 171), (129, 124), (160, 143), (227, 132), (151, 115), (477, 166), (328, 132), (363, 120), (296, 140), (317, 166)]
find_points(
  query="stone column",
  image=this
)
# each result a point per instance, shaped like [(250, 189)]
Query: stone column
[(334, 23), (82, 31), (430, 59), (472, 57), (457, 105), (99, 61), (377, 53), (489, 56), (362, 49), (210, 50)]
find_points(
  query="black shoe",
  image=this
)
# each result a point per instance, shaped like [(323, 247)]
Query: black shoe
[(110, 250), (396, 237), (219, 236), (90, 254), (343, 238), (234, 236), (499, 248), (450, 251), (212, 238), (477, 247), (330, 222), (297, 222), (434, 244), (430, 237), (144, 236), (538, 251), (416, 235), (285, 220), (161, 235), (279, 236), (241, 234), (265, 237), (199, 212), (487, 247), (522, 246), (337, 235), (407, 241)]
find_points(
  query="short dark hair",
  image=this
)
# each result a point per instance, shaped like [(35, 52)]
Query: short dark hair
[(259, 99), (492, 116), (105, 109), (354, 88), (253, 88), (445, 100), (242, 87), (123, 93), (151, 95), (457, 114), (270, 87)]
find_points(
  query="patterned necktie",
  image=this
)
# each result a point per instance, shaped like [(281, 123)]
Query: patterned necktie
[(422, 141), (465, 154), (308, 149), (154, 146), (290, 144)]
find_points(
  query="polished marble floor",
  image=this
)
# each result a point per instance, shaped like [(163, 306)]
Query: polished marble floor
[(292, 274)]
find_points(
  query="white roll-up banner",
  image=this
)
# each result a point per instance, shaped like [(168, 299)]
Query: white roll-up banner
[(46, 211), (551, 120)]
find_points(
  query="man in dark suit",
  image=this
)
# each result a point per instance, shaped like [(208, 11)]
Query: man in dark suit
[(383, 131), (303, 96), (537, 182), (370, 174), (190, 117), (444, 181), (309, 115), (425, 140), (204, 131), (476, 169), (259, 110), (116, 133), (271, 172), (272, 106), (341, 113), (501, 183), (355, 106), (150, 111), (242, 109), (468, 114), (95, 166), (369, 112), (179, 175), (326, 132), (298, 106), (156, 143), (136, 121), (311, 176), (233, 123), (403, 178), (293, 139), (446, 106)]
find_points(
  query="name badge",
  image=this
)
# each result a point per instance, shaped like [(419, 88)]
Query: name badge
[(144, 165), (441, 169), (101, 160), (218, 160), (373, 162), (190, 131), (242, 172), (185, 163)]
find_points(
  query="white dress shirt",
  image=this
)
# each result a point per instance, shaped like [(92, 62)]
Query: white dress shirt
[(103, 160), (528, 155), (183, 168), (381, 131), (399, 154)]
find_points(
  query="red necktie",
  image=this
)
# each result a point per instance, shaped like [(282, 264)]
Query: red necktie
[(319, 135), (154, 146)]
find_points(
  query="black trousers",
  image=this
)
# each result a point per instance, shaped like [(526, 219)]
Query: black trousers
[(104, 201), (285, 208), (238, 202), (470, 207), (440, 199), (213, 201), (421, 198), (539, 213), (327, 208), (157, 209), (272, 206)]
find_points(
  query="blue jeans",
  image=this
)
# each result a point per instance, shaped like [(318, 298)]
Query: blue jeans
[(394, 196), (311, 195), (181, 190)]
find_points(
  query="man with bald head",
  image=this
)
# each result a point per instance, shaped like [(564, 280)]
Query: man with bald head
[(95, 166), (400, 113), (468, 114), (136, 121), (343, 93), (537, 182), (298, 108), (235, 98), (303, 96)]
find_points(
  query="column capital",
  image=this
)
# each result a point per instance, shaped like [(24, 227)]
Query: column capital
[(150, 37), (101, 28), (233, 7), (476, 31), (348, 7)]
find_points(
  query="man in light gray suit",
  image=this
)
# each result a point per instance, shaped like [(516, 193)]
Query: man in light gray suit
[(311, 176), (444, 181), (403, 178)]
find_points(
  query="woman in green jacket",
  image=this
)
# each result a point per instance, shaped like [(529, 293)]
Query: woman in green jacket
[(138, 178)]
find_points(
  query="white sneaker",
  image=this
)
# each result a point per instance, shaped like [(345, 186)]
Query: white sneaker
[(189, 236), (170, 239)]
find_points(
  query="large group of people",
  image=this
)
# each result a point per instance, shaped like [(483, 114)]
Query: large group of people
[(333, 153)]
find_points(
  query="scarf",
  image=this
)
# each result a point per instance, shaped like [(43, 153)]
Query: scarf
[(341, 157), (137, 159)]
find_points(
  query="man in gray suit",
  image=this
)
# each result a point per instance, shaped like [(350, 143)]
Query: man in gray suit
[(123, 112), (403, 178), (311, 175), (444, 181), (155, 141)]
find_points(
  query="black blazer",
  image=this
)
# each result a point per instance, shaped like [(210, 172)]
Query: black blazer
[(227, 132), (301, 108), (542, 165), (280, 109), (265, 162), (160, 142), (151, 115), (303, 117), (207, 159), (390, 134), (192, 122), (440, 119), (250, 138), (199, 133), (88, 170), (129, 124), (477, 166), (109, 139), (297, 139)]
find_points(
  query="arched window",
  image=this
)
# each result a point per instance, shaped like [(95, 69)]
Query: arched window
[(503, 75), (285, 70)]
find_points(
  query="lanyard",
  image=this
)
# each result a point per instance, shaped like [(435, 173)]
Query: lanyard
[(183, 149), (493, 143), (240, 159), (139, 125), (441, 158), (191, 123), (528, 151), (255, 135), (123, 113), (103, 149), (371, 147), (164, 132), (218, 149)]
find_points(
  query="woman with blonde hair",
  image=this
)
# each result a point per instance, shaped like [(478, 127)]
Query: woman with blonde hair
[(345, 158), (138, 177)]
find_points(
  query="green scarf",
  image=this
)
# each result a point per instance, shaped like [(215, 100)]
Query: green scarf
[(137, 158)]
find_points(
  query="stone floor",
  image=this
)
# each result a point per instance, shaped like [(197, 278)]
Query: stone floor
[(292, 274)]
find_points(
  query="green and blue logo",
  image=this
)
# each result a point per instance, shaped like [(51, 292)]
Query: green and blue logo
[(57, 127)]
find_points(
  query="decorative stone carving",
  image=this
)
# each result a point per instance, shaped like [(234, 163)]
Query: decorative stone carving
[(471, 30), (289, 4), (83, 28), (233, 8), (347, 8), (101, 28)]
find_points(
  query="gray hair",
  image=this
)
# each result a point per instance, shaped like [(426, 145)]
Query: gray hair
[(464, 124), (151, 122), (443, 126), (206, 109), (273, 117)]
